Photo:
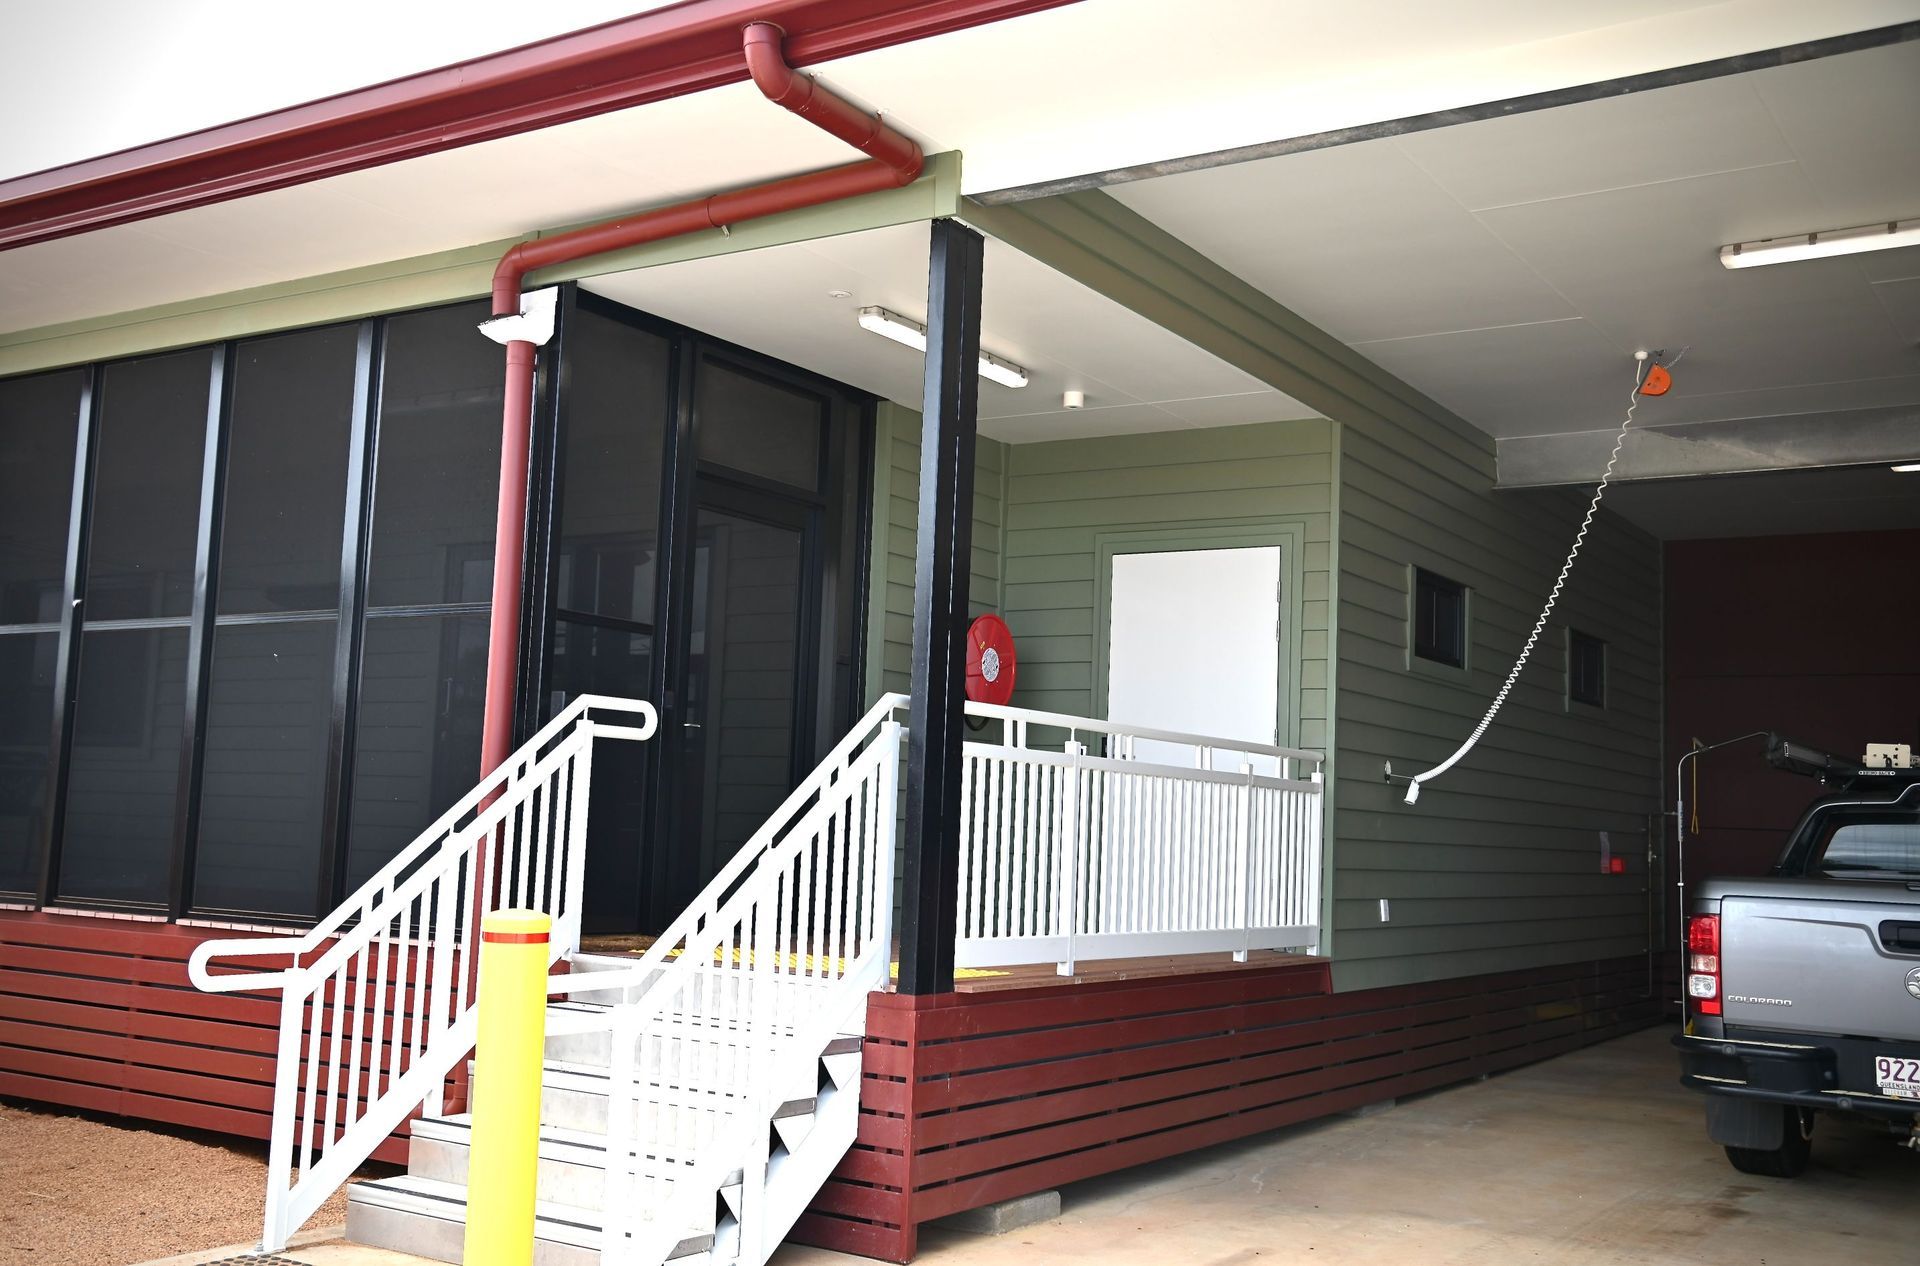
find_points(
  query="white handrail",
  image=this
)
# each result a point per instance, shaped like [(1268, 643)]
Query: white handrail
[(385, 1009), (1075, 726), (316, 936), (736, 1019)]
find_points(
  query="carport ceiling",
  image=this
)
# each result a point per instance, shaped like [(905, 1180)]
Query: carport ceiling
[(1508, 268), (1836, 499), (800, 303)]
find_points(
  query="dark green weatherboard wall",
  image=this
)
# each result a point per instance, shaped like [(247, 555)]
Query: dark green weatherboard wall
[(1174, 490), (1499, 865), (896, 492)]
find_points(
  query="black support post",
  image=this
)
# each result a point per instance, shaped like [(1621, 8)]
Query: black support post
[(949, 424)]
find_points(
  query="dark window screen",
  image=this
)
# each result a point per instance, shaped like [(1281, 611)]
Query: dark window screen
[(262, 794), (1586, 669), (754, 425), (39, 419), (1439, 619), (422, 695), (438, 465), (26, 718), (146, 498), (118, 841), (616, 422), (287, 472)]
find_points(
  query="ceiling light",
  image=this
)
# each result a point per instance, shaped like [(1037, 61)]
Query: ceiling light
[(1907, 468), (1885, 236), (913, 334)]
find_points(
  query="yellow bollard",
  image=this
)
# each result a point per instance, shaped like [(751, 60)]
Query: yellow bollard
[(509, 1056)]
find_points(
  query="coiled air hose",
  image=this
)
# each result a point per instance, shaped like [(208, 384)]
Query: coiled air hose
[(1513, 675)]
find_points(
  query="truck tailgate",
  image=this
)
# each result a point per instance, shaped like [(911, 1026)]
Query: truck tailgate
[(1838, 964)]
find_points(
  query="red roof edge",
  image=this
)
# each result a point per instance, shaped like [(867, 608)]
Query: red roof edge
[(679, 49)]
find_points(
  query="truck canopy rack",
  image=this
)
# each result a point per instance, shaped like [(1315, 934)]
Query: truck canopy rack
[(1837, 772)]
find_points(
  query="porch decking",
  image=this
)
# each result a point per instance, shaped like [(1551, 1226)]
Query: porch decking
[(977, 980)]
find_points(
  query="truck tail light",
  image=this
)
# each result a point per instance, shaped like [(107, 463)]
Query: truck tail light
[(1703, 963)]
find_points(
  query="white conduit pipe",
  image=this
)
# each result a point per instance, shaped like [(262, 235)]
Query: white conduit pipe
[(1633, 402)]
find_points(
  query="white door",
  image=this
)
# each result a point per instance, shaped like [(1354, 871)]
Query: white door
[(1193, 644)]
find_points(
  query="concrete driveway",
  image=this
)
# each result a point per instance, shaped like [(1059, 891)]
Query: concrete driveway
[(1594, 1157)]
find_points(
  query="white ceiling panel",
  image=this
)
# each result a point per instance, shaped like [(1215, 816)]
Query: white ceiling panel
[(1854, 125), (782, 301), (1410, 259), (1616, 210), (1642, 138), (1517, 379)]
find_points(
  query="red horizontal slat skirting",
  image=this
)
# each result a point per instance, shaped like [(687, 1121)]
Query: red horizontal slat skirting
[(98, 1014), (668, 52), (968, 1099)]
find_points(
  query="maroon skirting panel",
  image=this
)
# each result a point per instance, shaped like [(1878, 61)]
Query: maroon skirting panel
[(98, 1013), (969, 1099)]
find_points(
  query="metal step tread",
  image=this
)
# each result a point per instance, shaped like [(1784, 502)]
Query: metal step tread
[(431, 1198), (557, 1143)]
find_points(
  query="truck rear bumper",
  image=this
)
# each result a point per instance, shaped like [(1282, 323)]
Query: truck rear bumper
[(1805, 1076)]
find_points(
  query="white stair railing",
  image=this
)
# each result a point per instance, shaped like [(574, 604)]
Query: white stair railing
[(376, 1001), (1069, 854), (727, 1014)]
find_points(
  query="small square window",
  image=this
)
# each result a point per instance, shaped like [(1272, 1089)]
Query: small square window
[(1586, 669), (1439, 619)]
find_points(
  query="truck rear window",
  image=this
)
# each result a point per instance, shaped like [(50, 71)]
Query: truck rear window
[(1889, 849)]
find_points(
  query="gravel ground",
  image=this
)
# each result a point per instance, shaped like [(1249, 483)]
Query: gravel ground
[(81, 1190)]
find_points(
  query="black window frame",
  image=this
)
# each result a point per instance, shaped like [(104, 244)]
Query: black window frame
[(1433, 597), (1586, 669)]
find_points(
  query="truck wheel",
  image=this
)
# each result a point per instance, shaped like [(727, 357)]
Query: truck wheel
[(1789, 1160)]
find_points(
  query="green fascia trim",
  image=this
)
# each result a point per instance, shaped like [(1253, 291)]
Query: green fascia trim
[(1111, 249), (446, 277)]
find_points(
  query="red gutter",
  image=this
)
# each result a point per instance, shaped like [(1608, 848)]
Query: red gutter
[(894, 160), (668, 52)]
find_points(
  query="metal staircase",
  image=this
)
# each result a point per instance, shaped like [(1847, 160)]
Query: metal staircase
[(694, 1099), (685, 1212)]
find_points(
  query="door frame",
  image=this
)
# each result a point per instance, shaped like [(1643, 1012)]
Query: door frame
[(838, 505), (1288, 535)]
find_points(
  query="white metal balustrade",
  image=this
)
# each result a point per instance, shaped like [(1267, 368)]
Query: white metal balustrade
[(376, 1001), (702, 1092), (1070, 854)]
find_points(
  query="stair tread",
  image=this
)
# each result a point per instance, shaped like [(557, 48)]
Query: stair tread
[(562, 1223), (559, 1143)]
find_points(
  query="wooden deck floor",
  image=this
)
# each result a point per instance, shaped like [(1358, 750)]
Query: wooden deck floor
[(1042, 975)]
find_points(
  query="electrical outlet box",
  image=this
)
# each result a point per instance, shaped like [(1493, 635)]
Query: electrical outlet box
[(1889, 756)]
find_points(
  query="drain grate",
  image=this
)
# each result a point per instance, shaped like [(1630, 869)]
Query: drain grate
[(254, 1259)]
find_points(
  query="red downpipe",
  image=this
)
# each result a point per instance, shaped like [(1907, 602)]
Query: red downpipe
[(894, 160)]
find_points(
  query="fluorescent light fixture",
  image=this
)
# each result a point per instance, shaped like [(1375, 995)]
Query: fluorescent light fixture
[(1907, 468), (1885, 236), (913, 334)]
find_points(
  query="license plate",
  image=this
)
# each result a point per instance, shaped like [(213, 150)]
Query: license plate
[(1898, 1078)]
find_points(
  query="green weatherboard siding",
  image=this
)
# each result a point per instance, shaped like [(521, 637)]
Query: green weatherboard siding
[(1498, 866)]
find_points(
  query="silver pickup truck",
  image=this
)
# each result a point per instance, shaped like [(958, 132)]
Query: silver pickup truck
[(1803, 987)]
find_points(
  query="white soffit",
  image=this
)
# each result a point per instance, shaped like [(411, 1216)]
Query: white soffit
[(1510, 267), (1136, 375)]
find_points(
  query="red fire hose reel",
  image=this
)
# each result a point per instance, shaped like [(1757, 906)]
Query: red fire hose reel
[(990, 660)]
